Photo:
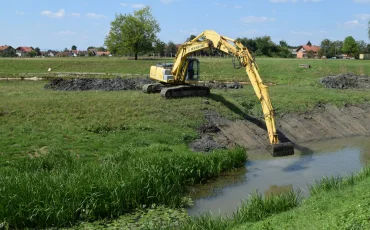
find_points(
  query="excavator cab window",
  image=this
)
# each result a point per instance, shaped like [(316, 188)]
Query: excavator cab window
[(193, 70)]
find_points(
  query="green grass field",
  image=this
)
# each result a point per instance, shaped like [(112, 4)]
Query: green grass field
[(278, 71), (67, 157)]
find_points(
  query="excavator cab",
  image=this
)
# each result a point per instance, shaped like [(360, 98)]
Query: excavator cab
[(192, 72)]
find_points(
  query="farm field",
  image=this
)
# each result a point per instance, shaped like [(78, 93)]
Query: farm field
[(68, 157), (274, 70)]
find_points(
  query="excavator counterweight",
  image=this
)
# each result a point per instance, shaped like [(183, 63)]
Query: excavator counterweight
[(181, 78)]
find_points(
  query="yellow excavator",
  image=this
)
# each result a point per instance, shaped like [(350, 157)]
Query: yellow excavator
[(181, 79)]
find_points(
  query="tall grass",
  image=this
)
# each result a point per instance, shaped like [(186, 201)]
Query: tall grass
[(59, 189), (337, 183), (255, 208)]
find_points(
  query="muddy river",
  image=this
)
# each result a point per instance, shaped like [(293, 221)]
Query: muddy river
[(268, 175)]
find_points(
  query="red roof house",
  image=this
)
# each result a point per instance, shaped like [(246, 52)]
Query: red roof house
[(22, 51), (7, 51), (304, 49)]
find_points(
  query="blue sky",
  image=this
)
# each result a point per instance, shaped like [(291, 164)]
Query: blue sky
[(60, 24)]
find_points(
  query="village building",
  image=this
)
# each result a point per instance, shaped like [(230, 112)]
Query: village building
[(23, 51), (308, 51)]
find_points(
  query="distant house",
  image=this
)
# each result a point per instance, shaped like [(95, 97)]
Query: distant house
[(7, 51), (102, 54), (51, 53), (23, 51), (73, 53), (304, 50)]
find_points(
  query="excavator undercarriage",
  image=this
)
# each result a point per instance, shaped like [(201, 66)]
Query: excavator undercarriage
[(170, 91)]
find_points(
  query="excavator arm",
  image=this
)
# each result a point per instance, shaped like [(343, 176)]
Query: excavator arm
[(211, 39)]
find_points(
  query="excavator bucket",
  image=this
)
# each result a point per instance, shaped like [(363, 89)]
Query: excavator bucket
[(282, 149)]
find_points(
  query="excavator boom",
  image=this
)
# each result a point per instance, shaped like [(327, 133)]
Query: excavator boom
[(177, 79)]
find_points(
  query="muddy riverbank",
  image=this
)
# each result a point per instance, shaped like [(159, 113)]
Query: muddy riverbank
[(325, 122)]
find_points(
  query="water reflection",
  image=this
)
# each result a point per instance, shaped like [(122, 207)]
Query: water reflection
[(270, 175)]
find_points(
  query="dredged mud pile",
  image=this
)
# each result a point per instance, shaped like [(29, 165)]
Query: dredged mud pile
[(105, 84), (112, 84), (346, 81)]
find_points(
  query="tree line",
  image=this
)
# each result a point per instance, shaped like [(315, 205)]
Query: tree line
[(134, 34), (349, 47)]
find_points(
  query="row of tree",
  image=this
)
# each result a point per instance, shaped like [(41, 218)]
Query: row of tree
[(349, 46), (134, 34)]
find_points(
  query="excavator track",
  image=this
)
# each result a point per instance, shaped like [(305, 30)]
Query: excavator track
[(152, 88), (184, 91)]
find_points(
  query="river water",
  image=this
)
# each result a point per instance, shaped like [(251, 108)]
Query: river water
[(267, 175)]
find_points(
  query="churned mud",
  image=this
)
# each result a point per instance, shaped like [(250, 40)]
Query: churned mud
[(111, 84), (106, 84), (323, 123)]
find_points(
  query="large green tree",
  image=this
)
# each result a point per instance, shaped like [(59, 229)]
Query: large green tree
[(133, 34), (368, 30), (350, 47)]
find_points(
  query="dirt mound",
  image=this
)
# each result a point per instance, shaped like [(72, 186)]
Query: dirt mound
[(346, 81), (105, 84)]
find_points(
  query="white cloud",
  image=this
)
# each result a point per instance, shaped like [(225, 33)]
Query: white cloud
[(75, 14), (220, 4), (312, 0), (363, 16), (94, 15), (352, 23), (19, 12), (254, 19), (283, 1), (238, 7), (167, 1), (362, 1), (138, 6), (65, 33), (59, 14), (301, 33)]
